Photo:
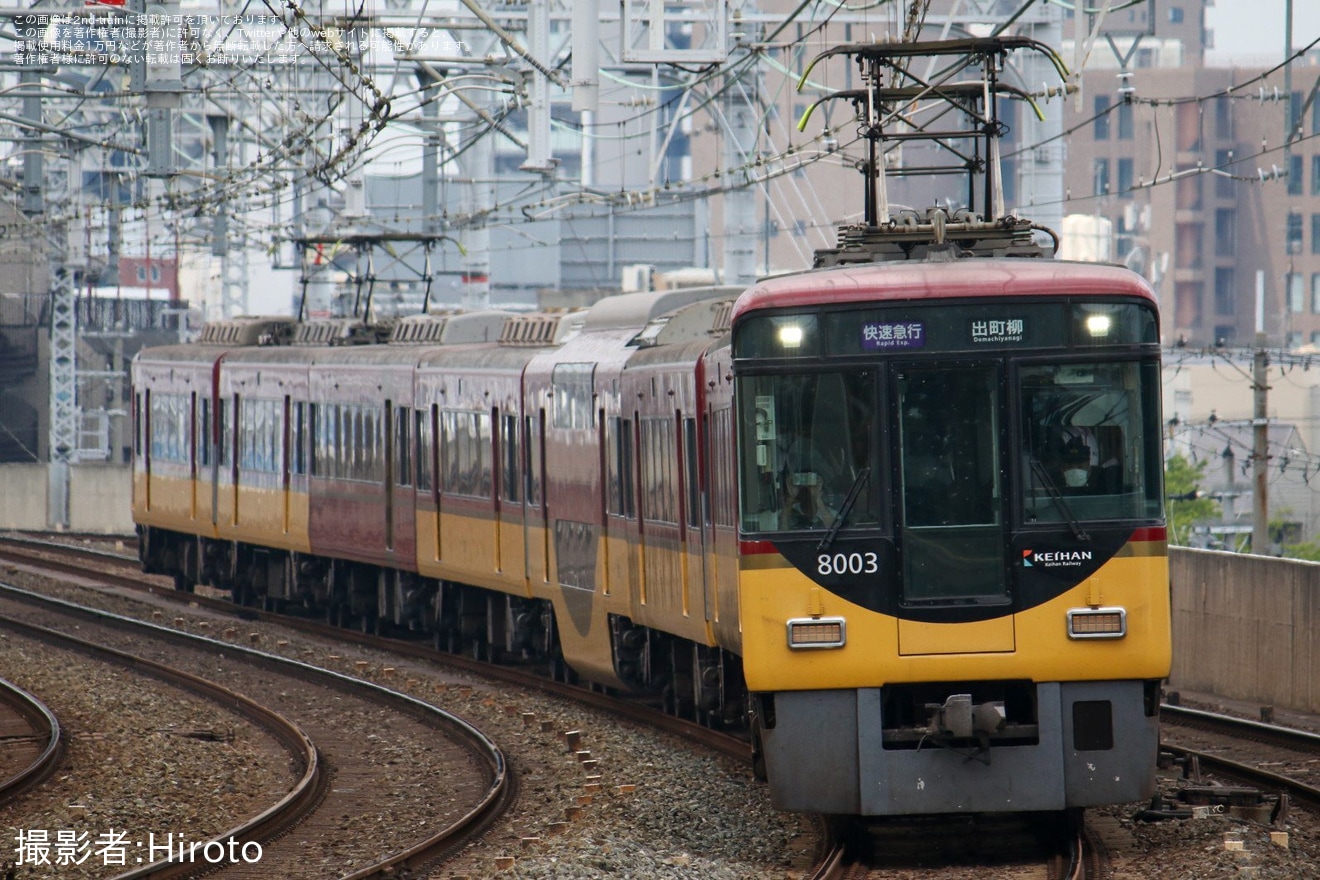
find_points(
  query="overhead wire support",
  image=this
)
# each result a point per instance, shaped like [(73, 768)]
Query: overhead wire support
[(881, 105)]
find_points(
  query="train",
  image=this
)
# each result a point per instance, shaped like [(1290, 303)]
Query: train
[(902, 521)]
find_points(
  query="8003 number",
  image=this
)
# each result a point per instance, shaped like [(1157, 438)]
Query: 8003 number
[(828, 564)]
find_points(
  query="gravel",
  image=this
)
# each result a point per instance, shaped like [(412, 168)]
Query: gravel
[(660, 809)]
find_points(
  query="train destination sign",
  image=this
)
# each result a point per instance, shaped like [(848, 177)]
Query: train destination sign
[(893, 334)]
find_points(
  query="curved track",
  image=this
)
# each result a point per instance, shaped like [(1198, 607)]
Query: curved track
[(33, 741), (311, 814)]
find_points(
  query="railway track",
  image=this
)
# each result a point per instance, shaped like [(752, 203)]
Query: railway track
[(33, 743), (333, 785), (1277, 746), (117, 583), (832, 858), (1043, 847), (121, 572)]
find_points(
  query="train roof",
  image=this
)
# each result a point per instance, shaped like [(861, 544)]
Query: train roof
[(635, 310), (936, 280)]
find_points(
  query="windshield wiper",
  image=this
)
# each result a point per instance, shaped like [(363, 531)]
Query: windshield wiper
[(845, 508), (1059, 501)]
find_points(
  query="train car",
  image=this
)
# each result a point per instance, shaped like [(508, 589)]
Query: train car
[(953, 566), (532, 485), (184, 466), (902, 519)]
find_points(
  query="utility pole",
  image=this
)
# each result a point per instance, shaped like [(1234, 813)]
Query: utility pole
[(1260, 423)]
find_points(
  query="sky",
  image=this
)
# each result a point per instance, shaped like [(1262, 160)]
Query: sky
[(1254, 28)]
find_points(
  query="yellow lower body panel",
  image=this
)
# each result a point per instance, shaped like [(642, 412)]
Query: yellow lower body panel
[(882, 650)]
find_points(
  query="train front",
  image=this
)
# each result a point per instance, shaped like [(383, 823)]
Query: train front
[(953, 572)]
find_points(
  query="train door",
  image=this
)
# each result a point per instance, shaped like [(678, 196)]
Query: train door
[(510, 515), (537, 515), (204, 480), (390, 475), (403, 525), (693, 531), (144, 443), (286, 462), (721, 535), (620, 506), (193, 438), (951, 502)]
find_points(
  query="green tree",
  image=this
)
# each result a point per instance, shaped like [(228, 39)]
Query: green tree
[(1185, 503)]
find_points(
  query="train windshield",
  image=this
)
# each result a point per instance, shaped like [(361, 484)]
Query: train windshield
[(807, 442), (1091, 442), (950, 493)]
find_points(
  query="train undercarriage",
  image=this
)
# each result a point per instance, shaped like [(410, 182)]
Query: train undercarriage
[(688, 680)]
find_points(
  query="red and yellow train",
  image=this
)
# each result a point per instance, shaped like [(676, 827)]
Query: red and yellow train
[(903, 520)]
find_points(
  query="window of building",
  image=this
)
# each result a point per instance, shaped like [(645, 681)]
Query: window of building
[(1294, 175), (1101, 176), (1315, 233), (1125, 123), (1125, 175), (1187, 304), (1101, 104), (1175, 15), (1225, 231), (1187, 195), (1293, 235), (1224, 118), (1293, 284), (1315, 293), (1225, 295), (1224, 185)]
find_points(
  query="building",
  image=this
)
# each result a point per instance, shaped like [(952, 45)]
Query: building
[(1207, 196)]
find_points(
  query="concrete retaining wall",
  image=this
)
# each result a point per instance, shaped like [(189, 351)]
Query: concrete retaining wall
[(1246, 627), (100, 498)]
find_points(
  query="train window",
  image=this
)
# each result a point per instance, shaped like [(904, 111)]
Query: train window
[(511, 458), (721, 467), (298, 439), (465, 453), (171, 428), (402, 447), (691, 480), (261, 424), (485, 457), (535, 450), (571, 387), (425, 440), (320, 416), (807, 441), (949, 436), (659, 465), (223, 420), (205, 447), (137, 425), (360, 443), (1091, 442), (619, 467)]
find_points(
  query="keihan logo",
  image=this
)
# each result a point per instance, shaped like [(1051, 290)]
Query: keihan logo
[(1055, 558)]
